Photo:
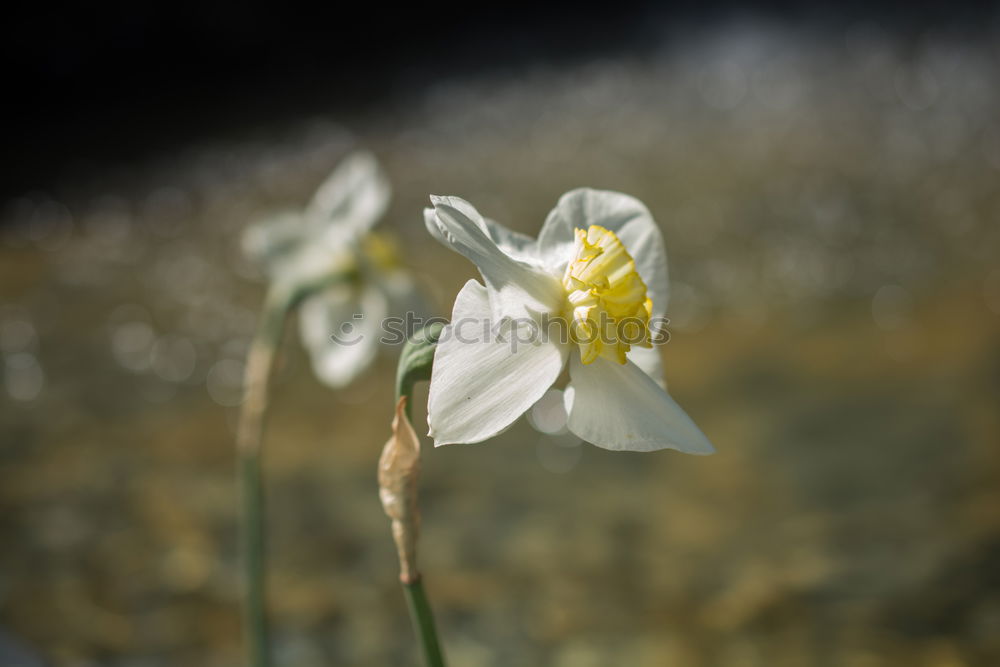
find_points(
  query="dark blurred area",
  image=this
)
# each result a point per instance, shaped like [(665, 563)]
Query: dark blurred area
[(94, 86), (826, 177), (97, 85)]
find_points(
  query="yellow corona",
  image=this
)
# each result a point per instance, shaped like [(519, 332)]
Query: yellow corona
[(607, 307)]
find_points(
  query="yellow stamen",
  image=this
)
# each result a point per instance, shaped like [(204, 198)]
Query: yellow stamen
[(607, 309)]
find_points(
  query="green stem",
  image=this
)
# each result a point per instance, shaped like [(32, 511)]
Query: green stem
[(415, 364), (252, 548), (249, 436), (423, 622)]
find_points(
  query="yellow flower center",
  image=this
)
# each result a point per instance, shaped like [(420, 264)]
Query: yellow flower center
[(608, 310), (381, 251)]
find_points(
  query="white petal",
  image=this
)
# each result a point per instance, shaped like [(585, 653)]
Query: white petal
[(479, 386), (649, 360), (627, 217), (268, 242), (402, 292), (517, 289), (311, 267), (619, 407), (351, 200), (514, 244), (335, 312)]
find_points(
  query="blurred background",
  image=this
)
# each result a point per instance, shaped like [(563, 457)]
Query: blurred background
[(826, 178)]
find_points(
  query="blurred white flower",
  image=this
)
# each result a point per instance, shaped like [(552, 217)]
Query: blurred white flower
[(598, 265), (346, 278)]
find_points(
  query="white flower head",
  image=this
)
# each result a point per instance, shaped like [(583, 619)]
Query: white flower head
[(598, 268), (349, 278)]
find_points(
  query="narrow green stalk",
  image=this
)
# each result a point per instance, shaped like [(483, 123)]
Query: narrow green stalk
[(423, 622), (415, 364), (249, 436), (252, 553)]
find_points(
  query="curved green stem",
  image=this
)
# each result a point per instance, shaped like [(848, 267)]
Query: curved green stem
[(416, 361), (249, 436), (423, 622)]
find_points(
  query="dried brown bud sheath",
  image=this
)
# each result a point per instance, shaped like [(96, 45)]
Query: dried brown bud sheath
[(398, 471)]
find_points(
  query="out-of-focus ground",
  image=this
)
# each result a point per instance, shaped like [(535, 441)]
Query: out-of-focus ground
[(831, 208)]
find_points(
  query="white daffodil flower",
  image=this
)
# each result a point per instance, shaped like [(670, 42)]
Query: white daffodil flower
[(346, 278), (599, 267)]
